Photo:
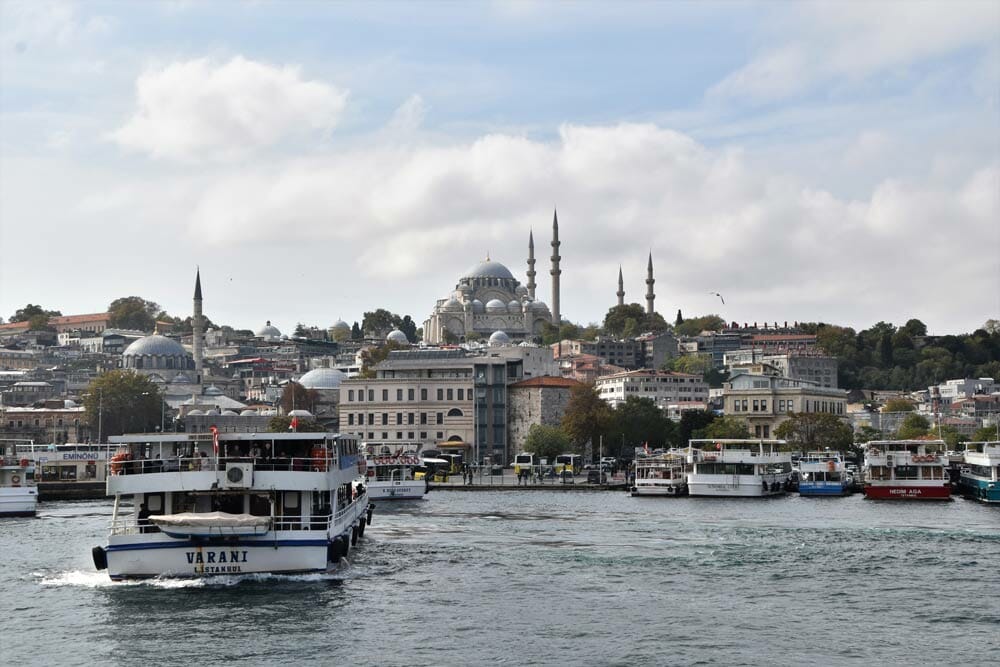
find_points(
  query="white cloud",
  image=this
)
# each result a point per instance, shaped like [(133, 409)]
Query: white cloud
[(200, 110)]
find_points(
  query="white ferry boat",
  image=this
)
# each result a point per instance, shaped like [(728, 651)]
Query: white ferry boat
[(18, 490), (824, 474), (235, 503), (740, 468), (663, 474), (981, 473), (906, 470), (392, 476)]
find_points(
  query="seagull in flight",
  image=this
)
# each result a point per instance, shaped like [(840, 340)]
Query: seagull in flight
[(720, 297)]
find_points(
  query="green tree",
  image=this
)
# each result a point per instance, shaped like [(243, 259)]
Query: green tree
[(118, 402), (296, 397), (618, 316), (547, 441), (133, 312), (372, 356), (915, 328), (409, 327), (378, 323), (473, 337), (40, 323), (913, 426), (283, 424), (31, 310), (815, 430), (550, 333), (723, 428), (692, 421), (654, 323), (679, 320), (694, 326), (952, 437), (986, 434), (340, 335), (898, 405), (635, 422), (866, 434), (568, 331), (356, 333), (587, 416)]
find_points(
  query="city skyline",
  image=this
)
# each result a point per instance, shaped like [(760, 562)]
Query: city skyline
[(809, 162)]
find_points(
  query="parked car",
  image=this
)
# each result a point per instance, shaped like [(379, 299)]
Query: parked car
[(597, 477)]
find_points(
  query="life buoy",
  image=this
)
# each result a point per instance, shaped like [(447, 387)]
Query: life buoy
[(118, 462), (15, 480), (319, 459), (25, 463)]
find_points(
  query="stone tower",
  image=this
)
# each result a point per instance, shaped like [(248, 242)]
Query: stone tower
[(556, 317), (621, 288), (649, 286), (196, 328), (531, 266)]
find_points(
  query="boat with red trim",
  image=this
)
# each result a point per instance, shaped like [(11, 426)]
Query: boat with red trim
[(906, 470)]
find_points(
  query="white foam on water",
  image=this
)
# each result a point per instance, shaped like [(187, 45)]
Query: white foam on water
[(83, 579)]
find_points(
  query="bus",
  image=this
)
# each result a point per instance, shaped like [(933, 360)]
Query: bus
[(525, 461), (571, 462)]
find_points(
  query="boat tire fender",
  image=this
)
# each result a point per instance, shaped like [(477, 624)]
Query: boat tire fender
[(361, 527), (100, 558), (354, 535), (371, 508), (15, 480)]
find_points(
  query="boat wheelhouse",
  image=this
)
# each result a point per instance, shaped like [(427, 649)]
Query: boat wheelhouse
[(739, 468), (824, 474), (980, 477), (18, 488), (662, 474), (393, 476), (190, 505), (906, 470)]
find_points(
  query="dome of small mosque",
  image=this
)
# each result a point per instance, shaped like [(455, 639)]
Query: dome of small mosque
[(496, 306), (489, 269), (499, 339), (268, 331), (397, 336), (322, 378)]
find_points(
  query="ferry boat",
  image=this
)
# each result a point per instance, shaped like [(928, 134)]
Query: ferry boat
[(393, 476), (223, 503), (906, 470), (824, 474), (663, 474), (980, 477), (739, 468), (18, 490)]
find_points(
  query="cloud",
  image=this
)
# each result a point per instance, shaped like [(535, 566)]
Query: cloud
[(816, 43), (197, 109)]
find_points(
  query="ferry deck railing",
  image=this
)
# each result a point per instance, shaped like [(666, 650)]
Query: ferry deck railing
[(201, 463)]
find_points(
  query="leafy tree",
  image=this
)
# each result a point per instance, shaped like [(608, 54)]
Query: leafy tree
[(631, 329), (547, 441), (694, 326), (587, 416), (31, 310), (300, 330), (40, 323), (133, 312), (568, 331), (952, 437), (118, 402), (618, 316), (654, 324), (356, 333), (898, 405), (409, 327), (815, 430), (297, 397), (991, 326), (915, 328), (913, 426), (986, 434), (378, 323), (725, 428), (550, 333), (866, 434), (473, 337), (692, 421), (638, 421), (283, 424), (591, 332), (372, 356)]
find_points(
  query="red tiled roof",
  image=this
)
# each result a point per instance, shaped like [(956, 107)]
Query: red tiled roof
[(74, 319), (546, 381)]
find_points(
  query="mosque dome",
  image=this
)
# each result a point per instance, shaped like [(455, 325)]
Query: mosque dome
[(155, 345), (229, 413), (477, 306), (496, 306), (300, 413), (489, 269), (195, 413), (269, 332), (536, 306), (322, 378), (211, 412), (514, 306), (341, 325), (397, 336), (248, 413), (452, 304), (499, 339)]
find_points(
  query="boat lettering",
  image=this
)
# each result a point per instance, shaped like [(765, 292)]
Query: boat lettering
[(199, 558)]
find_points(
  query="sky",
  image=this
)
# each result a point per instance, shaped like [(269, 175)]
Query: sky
[(835, 162)]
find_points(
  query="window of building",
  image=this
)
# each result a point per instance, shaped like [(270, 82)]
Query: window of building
[(440, 419), (409, 394), (399, 435), (440, 435), (371, 419), (454, 412), (461, 394), (409, 418), (371, 394), (399, 418), (409, 435), (350, 419), (423, 394), (361, 419), (385, 419), (423, 417), (423, 435), (451, 395), (385, 436), (350, 395), (440, 394), (385, 394)]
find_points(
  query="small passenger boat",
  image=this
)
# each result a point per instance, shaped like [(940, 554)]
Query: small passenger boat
[(662, 474), (742, 468), (823, 474), (189, 505), (18, 488), (393, 476), (906, 470), (980, 477)]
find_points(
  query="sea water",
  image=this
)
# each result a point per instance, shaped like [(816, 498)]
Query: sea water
[(540, 578)]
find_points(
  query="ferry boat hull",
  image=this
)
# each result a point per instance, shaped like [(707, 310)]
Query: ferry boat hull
[(824, 488), (18, 501), (904, 492), (980, 489), (750, 487), (663, 488)]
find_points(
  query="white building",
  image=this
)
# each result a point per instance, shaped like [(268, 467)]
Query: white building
[(665, 388)]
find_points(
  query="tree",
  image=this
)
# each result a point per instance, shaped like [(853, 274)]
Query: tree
[(915, 328), (378, 323), (724, 428), (409, 327), (120, 402), (300, 330), (913, 426), (587, 416), (547, 441), (550, 333), (692, 421), (283, 424), (815, 430), (133, 312), (40, 323), (694, 326), (356, 333), (31, 310), (617, 318), (679, 320), (568, 331), (898, 405), (297, 397), (986, 433), (638, 421), (867, 434), (372, 356)]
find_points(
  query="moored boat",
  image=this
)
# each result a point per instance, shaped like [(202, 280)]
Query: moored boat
[(18, 488), (823, 474), (232, 503), (393, 476), (741, 468), (906, 470), (662, 474), (980, 478)]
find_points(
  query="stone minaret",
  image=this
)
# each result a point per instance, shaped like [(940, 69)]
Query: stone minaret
[(621, 288), (196, 328), (556, 317), (649, 286), (531, 266)]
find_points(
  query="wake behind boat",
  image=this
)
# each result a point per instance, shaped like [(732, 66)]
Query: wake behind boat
[(232, 503)]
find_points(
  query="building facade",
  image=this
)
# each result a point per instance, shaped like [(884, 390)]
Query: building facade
[(664, 388), (538, 400), (764, 401)]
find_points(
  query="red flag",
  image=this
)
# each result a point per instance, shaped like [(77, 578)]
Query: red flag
[(718, 446), (294, 425), (215, 439)]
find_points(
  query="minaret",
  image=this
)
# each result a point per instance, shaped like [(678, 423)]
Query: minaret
[(621, 287), (531, 265), (196, 328), (649, 286), (556, 318)]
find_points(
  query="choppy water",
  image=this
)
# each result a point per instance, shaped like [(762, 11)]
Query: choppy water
[(540, 578)]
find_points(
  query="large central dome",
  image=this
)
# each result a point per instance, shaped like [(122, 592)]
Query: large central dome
[(489, 269)]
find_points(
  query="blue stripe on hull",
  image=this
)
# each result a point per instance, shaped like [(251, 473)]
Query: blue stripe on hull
[(980, 489), (807, 489), (187, 544)]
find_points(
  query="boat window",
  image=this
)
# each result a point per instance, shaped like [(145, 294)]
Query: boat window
[(260, 505), (906, 472), (154, 503)]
